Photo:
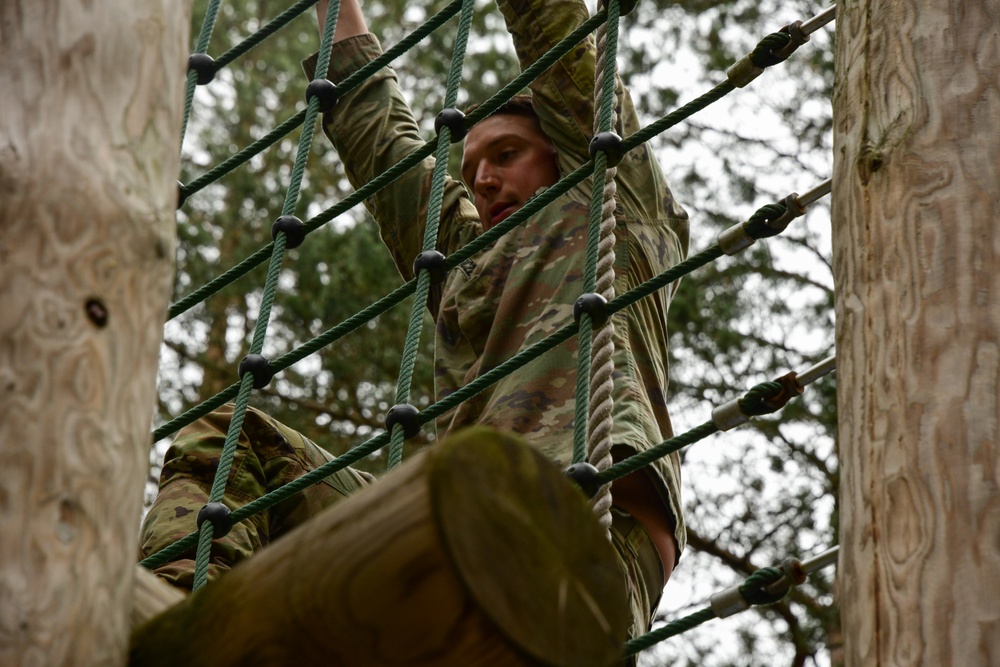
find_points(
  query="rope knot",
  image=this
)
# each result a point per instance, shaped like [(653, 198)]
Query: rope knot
[(754, 588), (760, 225), (771, 50), (760, 400)]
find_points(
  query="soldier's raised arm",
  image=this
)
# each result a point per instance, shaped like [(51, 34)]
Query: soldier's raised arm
[(372, 129), (350, 22), (564, 100)]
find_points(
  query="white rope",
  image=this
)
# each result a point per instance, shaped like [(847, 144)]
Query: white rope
[(601, 420)]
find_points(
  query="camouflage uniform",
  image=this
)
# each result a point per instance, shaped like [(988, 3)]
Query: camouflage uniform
[(268, 455), (520, 289)]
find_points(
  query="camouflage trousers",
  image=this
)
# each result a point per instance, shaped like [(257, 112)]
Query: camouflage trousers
[(269, 455)]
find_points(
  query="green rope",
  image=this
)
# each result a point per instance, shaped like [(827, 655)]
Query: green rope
[(269, 29), (203, 554), (242, 401), (219, 483), (752, 590), (753, 403), (343, 88), (757, 226), (669, 630), (657, 127), (207, 25), (385, 178), (267, 300), (431, 225), (326, 40), (644, 458)]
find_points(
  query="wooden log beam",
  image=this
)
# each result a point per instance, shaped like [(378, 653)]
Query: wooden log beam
[(477, 552), (90, 116), (916, 215), (153, 596)]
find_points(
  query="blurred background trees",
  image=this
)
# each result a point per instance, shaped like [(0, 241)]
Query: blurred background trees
[(754, 496)]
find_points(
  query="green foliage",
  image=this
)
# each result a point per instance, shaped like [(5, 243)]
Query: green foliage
[(755, 495)]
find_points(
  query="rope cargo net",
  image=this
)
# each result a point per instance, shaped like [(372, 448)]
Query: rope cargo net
[(592, 465)]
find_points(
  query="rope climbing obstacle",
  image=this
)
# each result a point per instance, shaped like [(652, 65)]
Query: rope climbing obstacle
[(594, 311)]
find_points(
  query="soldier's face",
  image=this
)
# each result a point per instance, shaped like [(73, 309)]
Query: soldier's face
[(507, 159)]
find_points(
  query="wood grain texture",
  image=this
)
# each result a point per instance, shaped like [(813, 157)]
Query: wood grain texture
[(90, 119), (917, 262), (383, 579), (153, 596)]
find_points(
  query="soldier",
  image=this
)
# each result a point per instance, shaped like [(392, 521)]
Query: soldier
[(508, 297)]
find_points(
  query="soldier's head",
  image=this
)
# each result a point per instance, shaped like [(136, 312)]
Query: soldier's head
[(507, 158)]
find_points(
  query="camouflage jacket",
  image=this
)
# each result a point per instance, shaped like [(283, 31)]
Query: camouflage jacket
[(523, 287)]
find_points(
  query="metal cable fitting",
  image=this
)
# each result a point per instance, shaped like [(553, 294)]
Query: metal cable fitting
[(739, 237), (734, 413), (793, 572), (745, 70)]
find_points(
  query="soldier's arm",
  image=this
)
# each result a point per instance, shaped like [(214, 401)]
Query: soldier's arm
[(564, 100), (350, 21), (372, 129)]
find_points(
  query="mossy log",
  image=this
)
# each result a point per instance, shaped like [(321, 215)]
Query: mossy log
[(475, 552)]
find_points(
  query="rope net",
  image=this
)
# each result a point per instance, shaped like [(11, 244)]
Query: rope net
[(592, 425)]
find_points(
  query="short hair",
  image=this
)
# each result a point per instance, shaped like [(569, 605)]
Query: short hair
[(519, 105)]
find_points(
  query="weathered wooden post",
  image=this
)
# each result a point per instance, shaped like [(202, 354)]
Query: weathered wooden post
[(917, 260), (90, 118)]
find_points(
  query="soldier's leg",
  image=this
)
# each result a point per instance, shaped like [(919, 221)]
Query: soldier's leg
[(269, 455)]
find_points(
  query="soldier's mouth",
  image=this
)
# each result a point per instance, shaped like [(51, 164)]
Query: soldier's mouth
[(499, 212)]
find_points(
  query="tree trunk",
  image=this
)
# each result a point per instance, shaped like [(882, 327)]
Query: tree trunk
[(477, 552), (917, 260), (90, 115)]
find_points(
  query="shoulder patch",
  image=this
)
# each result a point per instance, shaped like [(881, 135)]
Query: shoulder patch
[(467, 267)]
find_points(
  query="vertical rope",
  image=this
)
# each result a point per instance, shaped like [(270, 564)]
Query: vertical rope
[(207, 25), (203, 554), (435, 200), (601, 419)]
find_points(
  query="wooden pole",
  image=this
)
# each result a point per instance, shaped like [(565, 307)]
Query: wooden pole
[(917, 261), (89, 131), (477, 552)]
